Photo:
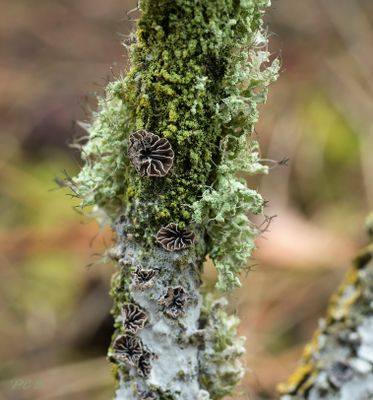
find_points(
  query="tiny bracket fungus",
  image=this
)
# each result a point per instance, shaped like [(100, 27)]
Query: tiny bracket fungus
[(133, 318), (146, 395), (128, 349), (174, 302), (339, 372), (150, 154), (172, 238), (144, 278), (144, 365)]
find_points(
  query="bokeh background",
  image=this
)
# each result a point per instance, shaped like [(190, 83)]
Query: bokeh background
[(55, 57)]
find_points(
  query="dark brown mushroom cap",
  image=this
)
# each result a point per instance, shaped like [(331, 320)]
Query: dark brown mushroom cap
[(133, 318), (145, 395), (150, 154), (128, 349), (172, 238), (174, 301), (144, 277), (339, 372), (144, 365)]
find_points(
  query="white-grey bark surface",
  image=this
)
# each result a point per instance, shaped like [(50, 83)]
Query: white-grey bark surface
[(172, 303)]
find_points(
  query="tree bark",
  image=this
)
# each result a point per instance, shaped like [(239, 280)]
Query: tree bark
[(338, 362), (171, 333), (160, 167)]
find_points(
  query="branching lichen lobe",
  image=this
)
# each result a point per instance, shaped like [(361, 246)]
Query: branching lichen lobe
[(163, 152)]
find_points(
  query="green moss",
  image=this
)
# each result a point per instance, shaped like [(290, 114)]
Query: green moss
[(199, 85), (115, 374), (120, 293), (190, 76), (104, 178), (166, 396)]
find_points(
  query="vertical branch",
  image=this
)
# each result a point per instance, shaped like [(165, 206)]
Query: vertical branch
[(160, 164), (160, 322)]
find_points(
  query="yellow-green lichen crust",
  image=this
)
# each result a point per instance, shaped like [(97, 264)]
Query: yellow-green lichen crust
[(347, 309)]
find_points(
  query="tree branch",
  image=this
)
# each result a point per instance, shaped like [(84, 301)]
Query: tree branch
[(160, 167), (338, 362)]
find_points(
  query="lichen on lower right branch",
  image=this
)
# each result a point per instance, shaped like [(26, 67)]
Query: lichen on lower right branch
[(338, 363)]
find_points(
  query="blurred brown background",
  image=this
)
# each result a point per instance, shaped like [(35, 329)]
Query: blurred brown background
[(55, 56)]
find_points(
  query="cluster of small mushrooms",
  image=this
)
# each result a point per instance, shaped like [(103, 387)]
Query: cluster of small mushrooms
[(151, 156)]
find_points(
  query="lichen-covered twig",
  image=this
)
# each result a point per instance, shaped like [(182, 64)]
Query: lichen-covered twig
[(338, 363), (161, 160)]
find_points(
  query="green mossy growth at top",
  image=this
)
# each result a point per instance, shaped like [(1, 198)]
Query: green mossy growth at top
[(199, 70)]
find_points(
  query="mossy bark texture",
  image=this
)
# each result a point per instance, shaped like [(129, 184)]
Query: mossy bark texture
[(161, 160), (338, 363)]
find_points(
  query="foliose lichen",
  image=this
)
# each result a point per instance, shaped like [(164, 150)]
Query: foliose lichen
[(220, 366), (103, 180), (231, 235)]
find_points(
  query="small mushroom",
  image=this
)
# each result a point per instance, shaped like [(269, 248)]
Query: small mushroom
[(146, 395), (144, 365), (172, 238), (339, 372), (150, 154), (174, 302), (144, 278), (128, 349), (133, 318)]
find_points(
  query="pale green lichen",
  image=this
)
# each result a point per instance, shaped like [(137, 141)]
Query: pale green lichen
[(231, 235), (220, 366), (103, 180), (224, 207)]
